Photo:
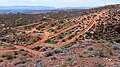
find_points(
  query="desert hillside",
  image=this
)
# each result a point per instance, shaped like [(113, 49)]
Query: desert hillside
[(81, 38)]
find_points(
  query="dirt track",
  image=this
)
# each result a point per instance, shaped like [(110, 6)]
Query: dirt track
[(93, 21), (41, 42), (21, 47)]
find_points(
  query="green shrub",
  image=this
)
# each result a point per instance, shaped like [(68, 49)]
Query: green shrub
[(37, 47), (116, 48), (90, 48), (1, 44), (21, 61), (53, 58), (63, 40), (21, 50), (101, 53), (47, 48), (10, 57), (39, 28), (117, 40), (84, 52), (60, 36), (27, 28), (68, 59), (48, 53), (82, 46), (91, 55), (16, 53), (81, 56), (96, 37), (50, 41), (1, 60), (70, 37), (58, 51)]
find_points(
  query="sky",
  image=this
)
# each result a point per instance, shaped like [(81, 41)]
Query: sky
[(58, 3)]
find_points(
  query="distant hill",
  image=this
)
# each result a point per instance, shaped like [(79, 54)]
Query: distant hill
[(37, 8), (76, 8), (26, 7), (33, 9)]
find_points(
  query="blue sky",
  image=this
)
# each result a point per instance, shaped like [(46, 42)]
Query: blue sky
[(58, 3)]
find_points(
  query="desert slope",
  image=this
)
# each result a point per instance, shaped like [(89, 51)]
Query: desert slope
[(42, 40)]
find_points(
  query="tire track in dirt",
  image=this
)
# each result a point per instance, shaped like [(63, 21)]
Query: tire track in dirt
[(36, 53), (48, 37), (39, 24), (82, 32), (89, 26)]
